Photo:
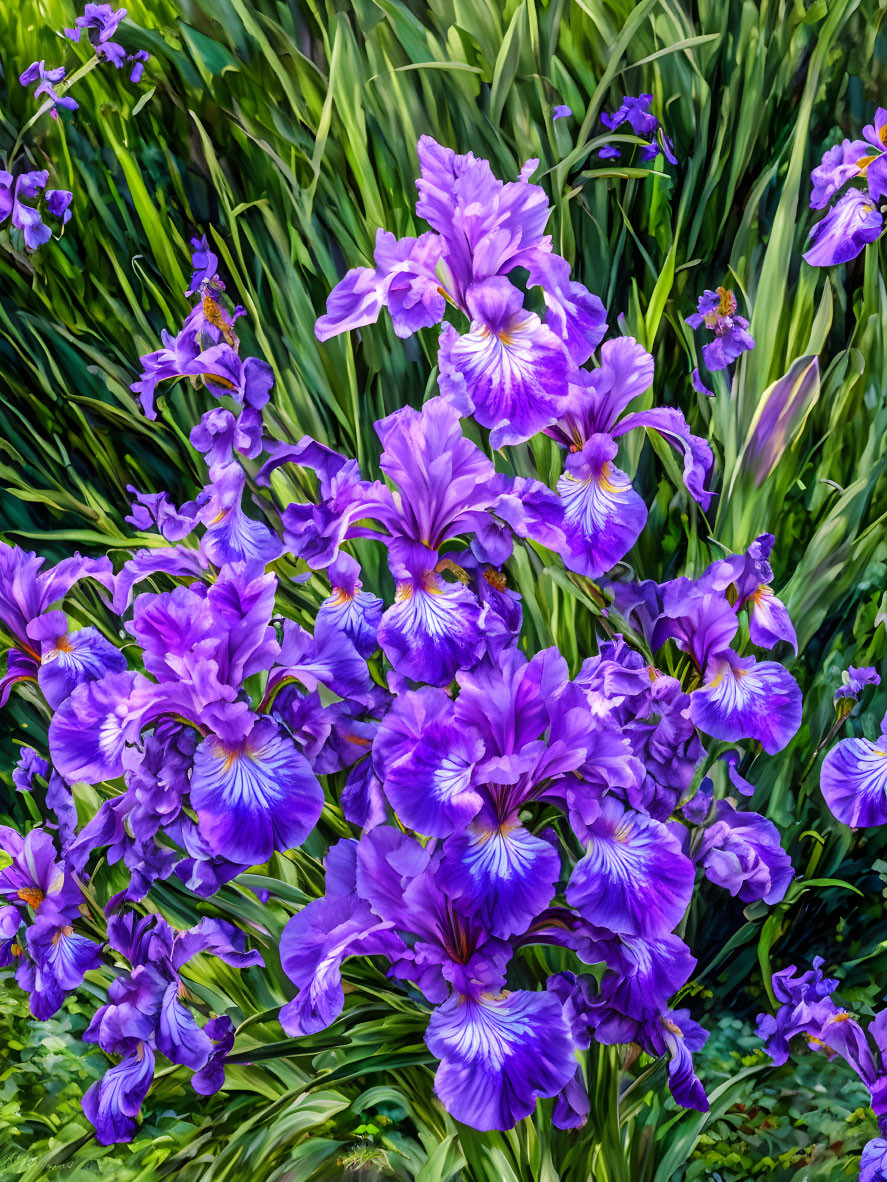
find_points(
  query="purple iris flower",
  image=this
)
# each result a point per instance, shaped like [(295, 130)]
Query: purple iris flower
[(68, 659), (838, 165), (845, 231), (651, 713), (48, 79), (854, 682), (603, 515), (510, 368), (853, 780), (248, 381), (99, 22), (499, 1050), (251, 786), (637, 114), (209, 317), (26, 594), (519, 732), (742, 852), (717, 311), (230, 536), (146, 1013), (444, 487), (808, 1007), (37, 890), (670, 1032), (740, 697)]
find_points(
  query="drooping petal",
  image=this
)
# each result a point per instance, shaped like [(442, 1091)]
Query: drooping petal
[(425, 760), (72, 658), (633, 879), (320, 937), (603, 515), (254, 797), (510, 368), (854, 782), (500, 872), (845, 230), (745, 699), (674, 428), (112, 1103), (178, 1035), (87, 735), (432, 630), (498, 1055)]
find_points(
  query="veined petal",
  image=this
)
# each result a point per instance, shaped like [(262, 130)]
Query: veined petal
[(500, 872), (178, 1035), (73, 658), (603, 515), (425, 759), (498, 1055), (87, 732), (745, 699), (313, 946), (114, 1100), (854, 782), (432, 630), (634, 879), (510, 367), (254, 797)]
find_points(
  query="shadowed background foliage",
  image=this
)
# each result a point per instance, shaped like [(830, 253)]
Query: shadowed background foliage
[(287, 133)]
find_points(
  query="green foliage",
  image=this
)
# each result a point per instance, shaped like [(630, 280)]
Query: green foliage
[(287, 132)]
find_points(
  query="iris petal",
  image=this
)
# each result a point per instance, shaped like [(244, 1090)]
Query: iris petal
[(501, 873), (498, 1054), (854, 782), (432, 630), (745, 699), (634, 879), (255, 797), (603, 515)]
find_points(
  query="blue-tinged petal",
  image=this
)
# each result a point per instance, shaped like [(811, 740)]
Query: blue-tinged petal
[(178, 1035), (603, 515), (433, 629), (873, 1163), (500, 872), (313, 946), (254, 797), (425, 760), (509, 367), (72, 658), (634, 879), (498, 1055), (87, 734), (846, 229), (114, 1100), (768, 620), (350, 610), (854, 782), (746, 699)]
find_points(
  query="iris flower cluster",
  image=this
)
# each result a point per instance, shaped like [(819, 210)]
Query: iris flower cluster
[(495, 800), (22, 194), (807, 1007)]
